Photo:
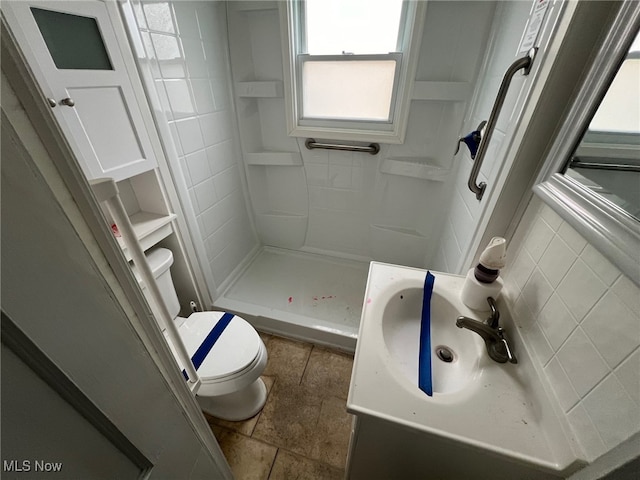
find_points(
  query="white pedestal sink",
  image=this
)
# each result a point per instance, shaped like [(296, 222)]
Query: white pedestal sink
[(484, 420)]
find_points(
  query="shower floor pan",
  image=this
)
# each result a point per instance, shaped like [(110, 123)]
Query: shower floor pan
[(311, 297)]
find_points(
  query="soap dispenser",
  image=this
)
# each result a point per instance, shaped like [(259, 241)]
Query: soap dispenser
[(484, 280)]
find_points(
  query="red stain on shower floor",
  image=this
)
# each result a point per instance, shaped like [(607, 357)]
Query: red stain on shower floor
[(290, 299)]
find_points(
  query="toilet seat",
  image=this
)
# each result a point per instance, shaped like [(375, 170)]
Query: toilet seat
[(236, 351)]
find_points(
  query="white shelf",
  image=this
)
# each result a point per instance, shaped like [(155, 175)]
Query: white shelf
[(274, 158), (415, 167), (446, 91), (270, 89), (150, 228)]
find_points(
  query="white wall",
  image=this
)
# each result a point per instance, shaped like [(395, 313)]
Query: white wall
[(351, 204), (581, 317), (186, 47)]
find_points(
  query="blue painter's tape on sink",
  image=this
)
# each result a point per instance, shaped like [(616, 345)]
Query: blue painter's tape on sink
[(424, 358)]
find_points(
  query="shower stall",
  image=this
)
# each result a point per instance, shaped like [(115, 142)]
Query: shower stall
[(283, 234)]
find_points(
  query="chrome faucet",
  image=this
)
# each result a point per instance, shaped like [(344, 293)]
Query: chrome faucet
[(493, 334)]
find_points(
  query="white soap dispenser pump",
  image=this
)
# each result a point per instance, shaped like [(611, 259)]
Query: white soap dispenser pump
[(484, 280)]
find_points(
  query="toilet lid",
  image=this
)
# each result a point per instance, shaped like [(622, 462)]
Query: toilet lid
[(235, 349)]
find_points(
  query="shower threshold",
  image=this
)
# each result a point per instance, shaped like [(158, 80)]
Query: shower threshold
[(310, 297)]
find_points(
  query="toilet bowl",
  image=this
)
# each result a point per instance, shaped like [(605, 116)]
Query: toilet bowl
[(226, 350)]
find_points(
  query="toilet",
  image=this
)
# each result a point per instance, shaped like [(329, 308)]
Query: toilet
[(229, 371)]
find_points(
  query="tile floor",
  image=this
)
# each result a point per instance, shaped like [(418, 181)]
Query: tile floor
[(303, 429)]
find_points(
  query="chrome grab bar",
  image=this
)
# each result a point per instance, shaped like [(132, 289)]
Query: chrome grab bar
[(372, 148), (522, 63), (622, 167)]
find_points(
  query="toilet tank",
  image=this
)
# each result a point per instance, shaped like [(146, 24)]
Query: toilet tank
[(160, 259)]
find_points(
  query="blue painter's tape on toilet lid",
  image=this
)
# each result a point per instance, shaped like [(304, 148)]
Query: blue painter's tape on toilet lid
[(237, 347)]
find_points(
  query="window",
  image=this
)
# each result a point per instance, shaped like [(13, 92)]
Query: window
[(349, 66)]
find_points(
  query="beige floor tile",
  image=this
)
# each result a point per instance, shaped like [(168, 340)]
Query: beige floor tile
[(248, 458), (245, 427), (289, 418), (289, 466), (287, 359), (329, 372), (331, 436)]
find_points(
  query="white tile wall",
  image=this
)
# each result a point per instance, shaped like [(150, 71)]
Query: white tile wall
[(508, 26), (188, 41), (581, 316)]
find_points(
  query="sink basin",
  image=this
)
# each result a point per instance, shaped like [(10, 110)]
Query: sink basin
[(484, 420), (455, 353)]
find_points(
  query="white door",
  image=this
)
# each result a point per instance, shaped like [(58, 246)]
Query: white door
[(73, 48)]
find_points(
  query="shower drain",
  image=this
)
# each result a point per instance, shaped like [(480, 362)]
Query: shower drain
[(444, 354)]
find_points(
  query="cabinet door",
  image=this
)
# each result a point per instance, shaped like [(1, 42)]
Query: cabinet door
[(81, 58)]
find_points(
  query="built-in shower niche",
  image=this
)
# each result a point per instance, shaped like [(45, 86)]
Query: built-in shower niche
[(279, 196)]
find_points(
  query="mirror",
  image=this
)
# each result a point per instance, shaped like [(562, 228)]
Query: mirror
[(591, 176), (607, 159)]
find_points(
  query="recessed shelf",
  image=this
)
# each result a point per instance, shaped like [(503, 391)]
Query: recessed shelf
[(415, 167), (267, 89), (273, 158), (150, 228), (446, 91)]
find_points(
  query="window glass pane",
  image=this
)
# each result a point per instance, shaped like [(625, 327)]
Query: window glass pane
[(615, 113), (74, 42), (348, 90), (361, 27)]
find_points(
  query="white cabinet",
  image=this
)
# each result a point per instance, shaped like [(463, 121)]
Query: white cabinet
[(89, 79), (81, 59)]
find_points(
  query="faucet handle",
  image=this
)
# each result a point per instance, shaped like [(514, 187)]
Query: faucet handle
[(494, 317), (510, 356)]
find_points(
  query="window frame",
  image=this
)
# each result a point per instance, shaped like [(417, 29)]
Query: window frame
[(391, 131)]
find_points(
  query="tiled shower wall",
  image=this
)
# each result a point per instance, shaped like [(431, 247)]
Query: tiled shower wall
[(465, 211), (186, 45), (354, 205), (581, 317)]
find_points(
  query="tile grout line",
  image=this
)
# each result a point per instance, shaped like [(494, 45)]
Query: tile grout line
[(273, 463), (306, 364)]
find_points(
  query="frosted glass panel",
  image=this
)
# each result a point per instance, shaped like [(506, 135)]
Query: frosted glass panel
[(74, 42), (348, 90)]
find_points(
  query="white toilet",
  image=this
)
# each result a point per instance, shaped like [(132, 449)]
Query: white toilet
[(229, 370)]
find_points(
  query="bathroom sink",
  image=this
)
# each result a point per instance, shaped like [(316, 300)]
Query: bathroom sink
[(483, 416), (455, 353)]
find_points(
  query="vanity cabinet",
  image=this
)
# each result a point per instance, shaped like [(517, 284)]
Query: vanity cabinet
[(385, 450)]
